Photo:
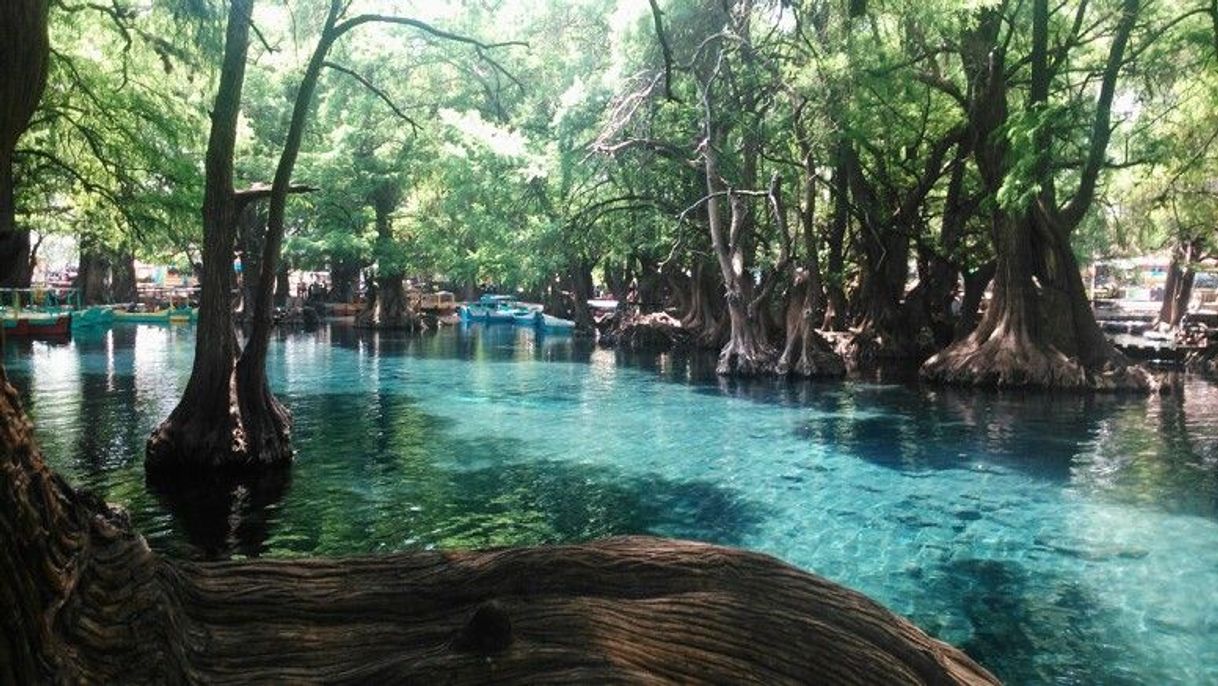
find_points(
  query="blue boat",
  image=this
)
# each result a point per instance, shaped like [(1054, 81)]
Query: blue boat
[(99, 316), (496, 309)]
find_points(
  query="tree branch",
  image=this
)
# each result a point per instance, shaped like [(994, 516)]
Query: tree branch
[(376, 91), (260, 191), (657, 16)]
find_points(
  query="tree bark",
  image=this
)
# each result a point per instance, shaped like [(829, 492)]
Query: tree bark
[(581, 293), (122, 281), (86, 601), (24, 56), (343, 278), (806, 352), (835, 274), (251, 230)]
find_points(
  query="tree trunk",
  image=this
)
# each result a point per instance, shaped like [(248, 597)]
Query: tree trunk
[(215, 427), (251, 230), (581, 293), (806, 352), (267, 422), (1039, 330), (1178, 289), (24, 55), (283, 285), (975, 283), (93, 274), (388, 307), (122, 283), (835, 274), (705, 318), (343, 278)]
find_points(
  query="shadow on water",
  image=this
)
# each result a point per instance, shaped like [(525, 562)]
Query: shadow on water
[(375, 473), (1031, 628), (222, 516)]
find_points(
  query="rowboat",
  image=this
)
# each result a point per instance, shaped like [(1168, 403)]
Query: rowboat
[(34, 324), (180, 315), (495, 309), (547, 322)]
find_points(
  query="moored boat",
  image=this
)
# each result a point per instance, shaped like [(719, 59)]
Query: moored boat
[(179, 315), (547, 322), (35, 324), (493, 309), (92, 316)]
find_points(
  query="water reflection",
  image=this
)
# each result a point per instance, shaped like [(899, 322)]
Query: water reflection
[(221, 517), (1058, 537)]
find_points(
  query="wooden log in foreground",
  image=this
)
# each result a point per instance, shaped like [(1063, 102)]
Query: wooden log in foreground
[(89, 602)]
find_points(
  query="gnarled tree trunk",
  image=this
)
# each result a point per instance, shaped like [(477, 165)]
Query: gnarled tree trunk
[(1039, 330), (806, 352), (122, 276), (93, 274)]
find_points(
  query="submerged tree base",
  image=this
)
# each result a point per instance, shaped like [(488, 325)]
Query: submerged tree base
[(89, 602)]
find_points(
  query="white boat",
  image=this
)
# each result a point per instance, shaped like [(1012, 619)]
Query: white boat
[(548, 322)]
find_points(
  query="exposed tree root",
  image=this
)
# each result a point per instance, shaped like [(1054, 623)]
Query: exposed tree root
[(806, 353), (746, 356), (1013, 360), (649, 332), (85, 601)]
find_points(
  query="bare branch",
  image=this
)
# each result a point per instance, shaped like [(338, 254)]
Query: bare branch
[(479, 46)]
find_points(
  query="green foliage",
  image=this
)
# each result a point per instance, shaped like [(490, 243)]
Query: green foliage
[(577, 152)]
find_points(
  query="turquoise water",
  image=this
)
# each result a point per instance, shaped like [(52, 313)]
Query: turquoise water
[(1057, 539)]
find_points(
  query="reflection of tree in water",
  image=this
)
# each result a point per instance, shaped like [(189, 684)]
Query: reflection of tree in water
[(1163, 454), (483, 343), (1032, 629), (221, 516), (916, 429)]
